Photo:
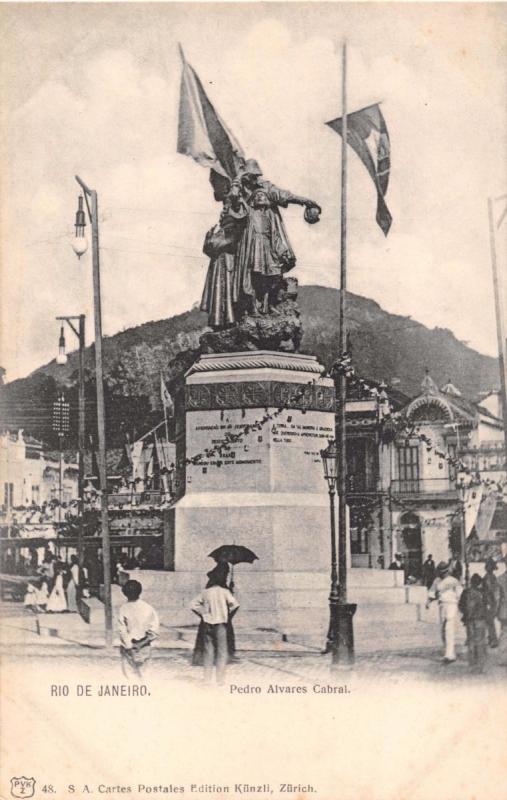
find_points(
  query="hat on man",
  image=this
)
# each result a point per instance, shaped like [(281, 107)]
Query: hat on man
[(490, 564), (443, 568), (251, 167)]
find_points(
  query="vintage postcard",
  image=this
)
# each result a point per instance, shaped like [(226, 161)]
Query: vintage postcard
[(253, 480)]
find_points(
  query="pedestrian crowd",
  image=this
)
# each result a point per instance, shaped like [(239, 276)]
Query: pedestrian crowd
[(55, 585), (482, 606)]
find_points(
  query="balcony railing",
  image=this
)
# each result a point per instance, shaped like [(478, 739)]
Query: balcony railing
[(422, 486)]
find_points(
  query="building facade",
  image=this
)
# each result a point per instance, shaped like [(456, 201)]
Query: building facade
[(29, 478), (403, 491), (368, 476)]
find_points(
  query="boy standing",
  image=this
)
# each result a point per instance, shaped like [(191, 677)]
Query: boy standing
[(138, 625)]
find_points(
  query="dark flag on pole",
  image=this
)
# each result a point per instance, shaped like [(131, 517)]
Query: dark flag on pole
[(367, 135)]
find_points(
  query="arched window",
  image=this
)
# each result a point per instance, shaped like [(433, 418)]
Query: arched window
[(430, 411)]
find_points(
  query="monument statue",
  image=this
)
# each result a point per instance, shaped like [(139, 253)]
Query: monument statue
[(250, 254), (247, 403), (247, 295)]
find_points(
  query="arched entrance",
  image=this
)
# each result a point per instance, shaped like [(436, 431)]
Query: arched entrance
[(411, 544)]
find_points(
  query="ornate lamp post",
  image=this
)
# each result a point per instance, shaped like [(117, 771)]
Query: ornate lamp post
[(329, 461), (62, 359), (80, 246), (340, 637)]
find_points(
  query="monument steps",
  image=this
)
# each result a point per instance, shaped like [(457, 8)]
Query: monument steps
[(386, 578), (275, 599), (279, 604), (375, 595), (287, 617)]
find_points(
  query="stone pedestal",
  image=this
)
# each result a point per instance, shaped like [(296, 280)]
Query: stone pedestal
[(267, 491)]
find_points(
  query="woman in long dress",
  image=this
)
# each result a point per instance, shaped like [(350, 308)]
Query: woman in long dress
[(198, 652), (57, 601), (73, 584)]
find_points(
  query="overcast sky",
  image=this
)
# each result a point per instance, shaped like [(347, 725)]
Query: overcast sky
[(93, 90)]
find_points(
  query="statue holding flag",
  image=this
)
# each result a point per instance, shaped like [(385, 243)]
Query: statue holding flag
[(249, 249)]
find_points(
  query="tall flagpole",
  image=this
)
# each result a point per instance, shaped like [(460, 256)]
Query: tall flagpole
[(165, 448), (164, 403), (342, 385), (499, 320), (343, 651)]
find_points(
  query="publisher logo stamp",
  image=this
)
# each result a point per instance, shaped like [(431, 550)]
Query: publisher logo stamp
[(22, 787)]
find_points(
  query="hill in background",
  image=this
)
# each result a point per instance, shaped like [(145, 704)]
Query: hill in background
[(383, 346)]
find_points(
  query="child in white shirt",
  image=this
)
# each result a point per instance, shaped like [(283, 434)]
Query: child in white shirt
[(138, 625)]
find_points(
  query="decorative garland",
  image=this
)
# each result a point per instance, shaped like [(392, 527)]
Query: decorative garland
[(399, 425), (221, 448), (395, 420)]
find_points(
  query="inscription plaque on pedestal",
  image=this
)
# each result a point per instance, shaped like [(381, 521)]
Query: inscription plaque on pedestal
[(265, 489)]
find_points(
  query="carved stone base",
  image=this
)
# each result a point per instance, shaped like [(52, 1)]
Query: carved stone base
[(279, 329), (251, 431)]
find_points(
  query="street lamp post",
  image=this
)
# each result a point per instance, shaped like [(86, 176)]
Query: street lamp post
[(340, 637), (79, 245), (462, 487), (62, 359)]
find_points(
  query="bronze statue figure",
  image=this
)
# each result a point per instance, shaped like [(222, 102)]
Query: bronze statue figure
[(249, 249)]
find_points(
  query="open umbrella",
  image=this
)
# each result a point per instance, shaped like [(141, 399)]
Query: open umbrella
[(233, 554)]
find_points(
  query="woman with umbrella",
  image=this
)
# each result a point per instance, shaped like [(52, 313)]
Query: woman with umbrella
[(215, 606), (224, 555)]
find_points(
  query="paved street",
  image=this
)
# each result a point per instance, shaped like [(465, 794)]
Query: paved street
[(413, 653)]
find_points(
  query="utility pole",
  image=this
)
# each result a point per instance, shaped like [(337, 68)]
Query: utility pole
[(62, 359), (345, 635), (92, 206), (61, 427), (462, 494), (342, 382), (60, 476), (500, 332), (81, 444)]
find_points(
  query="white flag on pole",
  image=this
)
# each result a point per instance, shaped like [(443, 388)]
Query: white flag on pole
[(167, 400)]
